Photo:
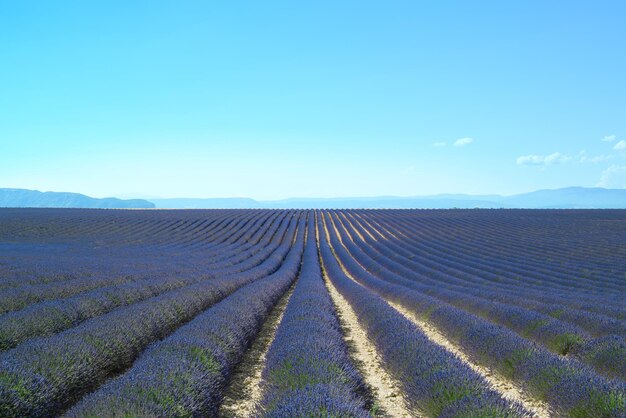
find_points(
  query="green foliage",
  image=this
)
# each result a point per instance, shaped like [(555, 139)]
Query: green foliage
[(291, 376), (487, 412), (557, 313), (445, 396), (206, 358), (16, 385), (511, 363), (563, 343), (165, 400), (547, 379), (601, 405), (532, 327)]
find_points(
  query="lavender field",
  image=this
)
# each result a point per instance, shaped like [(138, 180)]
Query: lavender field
[(312, 313)]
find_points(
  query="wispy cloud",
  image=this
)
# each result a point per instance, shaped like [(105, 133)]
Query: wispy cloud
[(554, 158), (463, 141), (620, 146), (609, 138), (583, 157), (613, 177), (439, 144)]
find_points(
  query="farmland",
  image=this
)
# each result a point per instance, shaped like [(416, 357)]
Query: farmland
[(277, 313)]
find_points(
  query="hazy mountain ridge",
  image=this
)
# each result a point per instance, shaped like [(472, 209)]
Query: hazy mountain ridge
[(565, 198), (36, 199), (214, 203)]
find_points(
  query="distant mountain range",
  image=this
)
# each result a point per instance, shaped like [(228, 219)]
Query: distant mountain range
[(23, 198), (567, 198), (215, 203)]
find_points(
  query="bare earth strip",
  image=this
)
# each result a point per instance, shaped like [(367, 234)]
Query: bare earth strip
[(244, 389), (385, 391), (376, 230), (343, 215), (505, 388)]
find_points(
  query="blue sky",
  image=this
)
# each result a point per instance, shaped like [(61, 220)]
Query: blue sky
[(278, 99)]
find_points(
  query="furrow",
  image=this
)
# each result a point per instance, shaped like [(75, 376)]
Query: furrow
[(505, 388), (244, 389), (386, 393)]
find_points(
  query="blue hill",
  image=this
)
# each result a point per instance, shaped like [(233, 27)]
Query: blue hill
[(22, 198)]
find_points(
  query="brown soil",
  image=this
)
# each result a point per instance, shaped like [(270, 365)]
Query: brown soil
[(385, 391), (504, 387), (244, 389), (376, 230)]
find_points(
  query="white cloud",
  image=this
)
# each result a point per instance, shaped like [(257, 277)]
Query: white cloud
[(439, 144), (597, 159), (463, 141), (554, 158), (609, 138), (620, 146), (613, 177), (583, 157)]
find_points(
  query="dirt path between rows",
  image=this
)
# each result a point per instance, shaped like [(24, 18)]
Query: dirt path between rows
[(385, 391), (244, 389), (505, 388)]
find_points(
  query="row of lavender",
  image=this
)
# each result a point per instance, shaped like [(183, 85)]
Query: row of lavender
[(44, 375), (251, 258), (560, 246), (87, 268), (200, 356), (115, 227), (492, 269), (423, 260), (569, 387), (435, 382), (53, 316), (308, 371), (229, 251), (32, 260), (186, 373), (569, 296), (593, 338)]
